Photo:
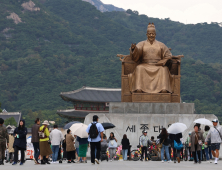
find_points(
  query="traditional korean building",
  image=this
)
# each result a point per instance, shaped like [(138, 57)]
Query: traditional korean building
[(89, 100), (6, 115)]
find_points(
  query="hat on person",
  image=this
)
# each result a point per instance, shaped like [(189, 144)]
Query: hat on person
[(144, 131), (215, 120), (190, 133), (45, 122), (95, 117)]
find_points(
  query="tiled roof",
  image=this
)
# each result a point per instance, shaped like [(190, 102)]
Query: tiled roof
[(90, 94), (6, 115)]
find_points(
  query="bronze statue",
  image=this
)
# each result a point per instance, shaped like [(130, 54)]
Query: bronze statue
[(150, 75), (151, 72)]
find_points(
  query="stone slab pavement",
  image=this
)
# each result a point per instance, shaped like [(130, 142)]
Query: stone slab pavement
[(116, 165)]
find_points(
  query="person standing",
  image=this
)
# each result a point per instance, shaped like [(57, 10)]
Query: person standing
[(95, 131), (77, 147), (125, 146), (152, 139), (20, 142), (196, 142), (189, 148), (64, 147), (144, 142), (176, 138), (35, 140), (201, 153), (83, 146), (141, 136), (44, 146), (112, 145), (104, 143), (10, 146), (215, 135), (70, 149), (3, 139), (165, 141), (56, 139), (207, 147)]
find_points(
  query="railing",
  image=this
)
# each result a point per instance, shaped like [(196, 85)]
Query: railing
[(92, 108)]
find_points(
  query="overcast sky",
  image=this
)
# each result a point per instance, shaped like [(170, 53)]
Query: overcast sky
[(186, 11)]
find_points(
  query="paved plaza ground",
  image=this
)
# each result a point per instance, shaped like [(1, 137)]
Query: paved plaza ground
[(116, 165)]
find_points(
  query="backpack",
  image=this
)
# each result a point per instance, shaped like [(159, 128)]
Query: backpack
[(93, 131), (42, 134)]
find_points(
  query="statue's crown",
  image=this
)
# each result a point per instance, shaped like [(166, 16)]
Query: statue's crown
[(151, 26)]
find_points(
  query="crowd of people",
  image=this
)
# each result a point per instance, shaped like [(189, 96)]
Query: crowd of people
[(47, 144), (201, 144)]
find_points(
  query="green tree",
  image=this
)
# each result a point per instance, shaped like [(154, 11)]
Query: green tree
[(0, 107), (10, 121)]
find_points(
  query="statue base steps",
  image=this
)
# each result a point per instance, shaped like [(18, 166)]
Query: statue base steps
[(155, 97)]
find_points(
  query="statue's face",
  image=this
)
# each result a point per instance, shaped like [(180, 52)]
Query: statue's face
[(151, 35)]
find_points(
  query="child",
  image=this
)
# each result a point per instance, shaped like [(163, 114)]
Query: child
[(203, 153), (152, 139), (153, 146)]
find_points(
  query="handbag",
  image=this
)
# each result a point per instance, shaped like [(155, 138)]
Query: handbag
[(199, 141), (178, 146), (112, 144), (161, 144)]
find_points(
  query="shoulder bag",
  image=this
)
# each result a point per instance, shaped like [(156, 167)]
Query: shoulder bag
[(161, 144), (199, 141)]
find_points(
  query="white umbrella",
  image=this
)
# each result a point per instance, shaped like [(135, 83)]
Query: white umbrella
[(79, 129), (177, 128), (203, 121), (75, 126)]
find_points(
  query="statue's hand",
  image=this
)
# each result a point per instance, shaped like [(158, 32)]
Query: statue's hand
[(177, 57), (133, 46)]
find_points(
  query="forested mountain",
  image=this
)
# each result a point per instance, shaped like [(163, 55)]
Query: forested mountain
[(50, 46), (103, 7), (200, 41)]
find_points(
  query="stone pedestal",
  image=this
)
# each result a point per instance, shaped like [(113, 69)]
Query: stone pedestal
[(151, 108), (132, 118)]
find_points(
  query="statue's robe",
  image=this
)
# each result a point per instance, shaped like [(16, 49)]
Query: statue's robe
[(151, 76)]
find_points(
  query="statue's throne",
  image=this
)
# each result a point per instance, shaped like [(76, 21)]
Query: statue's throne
[(128, 66)]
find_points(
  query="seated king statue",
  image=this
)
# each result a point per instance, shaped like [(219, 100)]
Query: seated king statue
[(151, 75)]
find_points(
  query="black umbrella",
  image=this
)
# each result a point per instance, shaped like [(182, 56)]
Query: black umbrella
[(107, 125), (68, 125)]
